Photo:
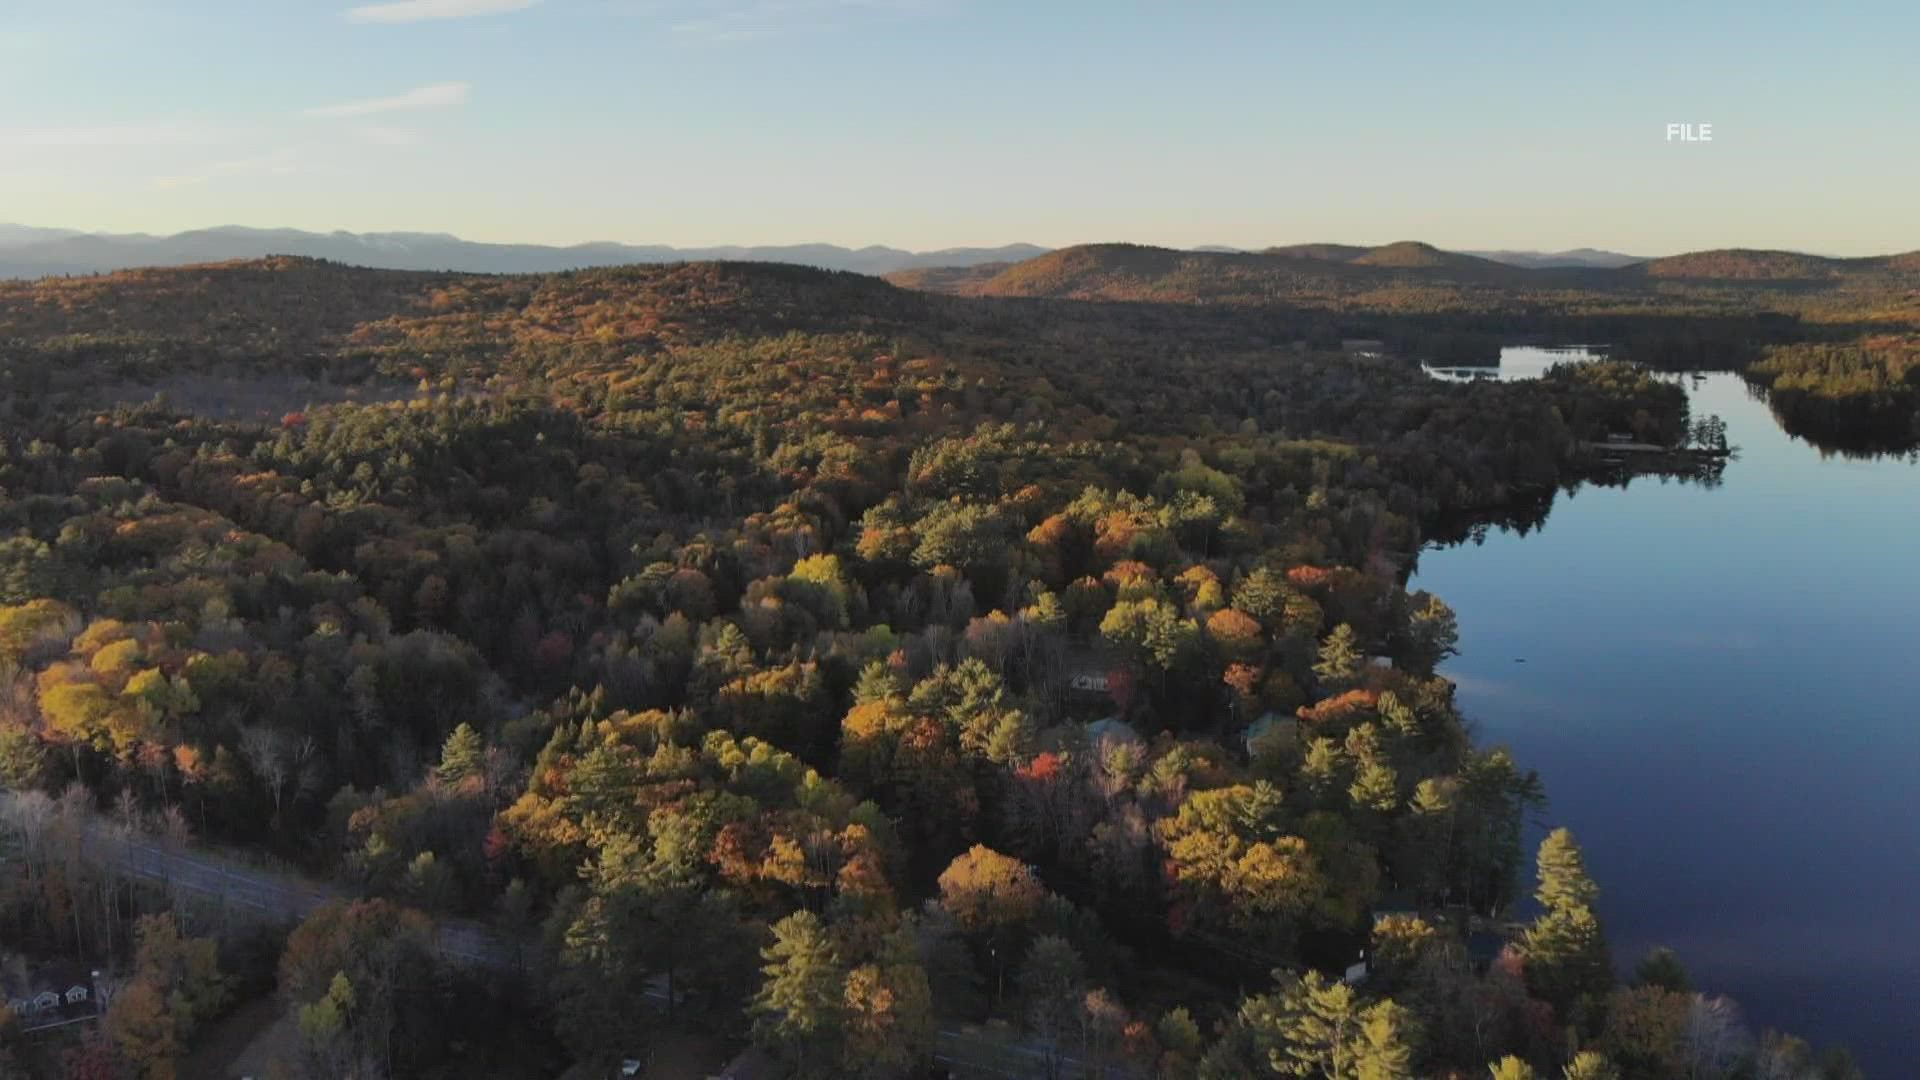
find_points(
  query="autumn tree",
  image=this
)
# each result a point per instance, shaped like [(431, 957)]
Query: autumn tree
[(177, 986), (888, 1009), (993, 899), (1433, 633), (386, 954)]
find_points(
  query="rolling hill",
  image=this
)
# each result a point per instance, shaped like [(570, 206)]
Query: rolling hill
[(1744, 264), (1308, 272), (1414, 278)]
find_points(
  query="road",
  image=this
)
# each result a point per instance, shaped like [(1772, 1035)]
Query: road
[(281, 896), (289, 897), (286, 896)]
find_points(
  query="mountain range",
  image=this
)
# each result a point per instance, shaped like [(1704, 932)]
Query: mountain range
[(29, 252), (1088, 271), (1532, 260), (1411, 277)]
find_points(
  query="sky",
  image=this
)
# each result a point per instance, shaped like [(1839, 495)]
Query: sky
[(937, 123)]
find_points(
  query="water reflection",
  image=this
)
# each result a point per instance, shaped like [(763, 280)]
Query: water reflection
[(1861, 432), (1718, 692)]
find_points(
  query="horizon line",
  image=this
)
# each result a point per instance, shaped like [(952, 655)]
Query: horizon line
[(854, 247)]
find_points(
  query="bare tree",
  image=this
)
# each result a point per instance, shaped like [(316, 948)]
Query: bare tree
[(269, 755), (27, 815), (1716, 1039)]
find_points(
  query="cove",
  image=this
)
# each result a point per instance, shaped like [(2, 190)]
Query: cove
[(1720, 688)]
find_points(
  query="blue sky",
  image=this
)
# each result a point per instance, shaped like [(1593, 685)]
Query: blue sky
[(930, 123)]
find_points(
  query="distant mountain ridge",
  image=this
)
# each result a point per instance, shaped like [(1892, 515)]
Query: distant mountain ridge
[(30, 252), (1540, 260), (1089, 270), (1323, 272)]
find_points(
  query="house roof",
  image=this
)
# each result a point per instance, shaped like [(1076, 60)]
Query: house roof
[(1114, 728)]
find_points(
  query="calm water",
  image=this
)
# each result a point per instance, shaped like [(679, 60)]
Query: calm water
[(1721, 690)]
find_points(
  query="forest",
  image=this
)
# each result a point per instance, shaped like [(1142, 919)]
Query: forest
[(783, 667), (1830, 341)]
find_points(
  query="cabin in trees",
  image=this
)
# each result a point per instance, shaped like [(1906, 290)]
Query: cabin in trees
[(35, 994), (1272, 730), (1111, 729), (1089, 670)]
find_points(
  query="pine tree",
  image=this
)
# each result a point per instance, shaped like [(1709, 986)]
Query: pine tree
[(1375, 787), (1564, 882), (877, 683), (1384, 1052), (1511, 1068), (1318, 1030), (801, 1002), (1588, 1065), (1340, 657), (1566, 957), (462, 755), (1662, 968)]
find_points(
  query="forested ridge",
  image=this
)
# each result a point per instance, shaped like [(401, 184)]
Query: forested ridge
[(794, 661), (1827, 338)]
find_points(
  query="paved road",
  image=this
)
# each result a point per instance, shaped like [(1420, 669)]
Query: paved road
[(284, 896), (287, 896), (290, 897)]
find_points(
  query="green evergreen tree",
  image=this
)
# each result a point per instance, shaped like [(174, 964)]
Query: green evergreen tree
[(1511, 1068), (1375, 787), (799, 1006), (878, 682), (1566, 957), (1588, 1065), (1662, 968), (1385, 1051), (1319, 1029), (1564, 882), (463, 755), (1340, 659)]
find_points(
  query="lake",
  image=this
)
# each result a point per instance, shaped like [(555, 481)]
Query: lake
[(1721, 691)]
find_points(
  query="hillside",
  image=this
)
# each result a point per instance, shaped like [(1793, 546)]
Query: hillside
[(1743, 264), (1136, 272), (1329, 252), (664, 617), (1411, 278)]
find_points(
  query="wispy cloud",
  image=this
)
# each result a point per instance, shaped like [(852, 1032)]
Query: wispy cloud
[(279, 163), (437, 96), (408, 11), (743, 20)]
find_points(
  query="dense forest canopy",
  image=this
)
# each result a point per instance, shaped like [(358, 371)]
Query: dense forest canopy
[(1827, 338), (788, 657)]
